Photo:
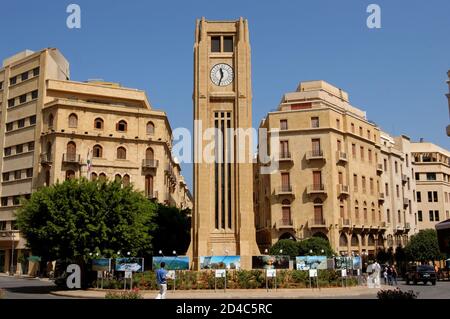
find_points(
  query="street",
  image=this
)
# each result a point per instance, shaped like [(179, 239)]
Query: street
[(27, 288)]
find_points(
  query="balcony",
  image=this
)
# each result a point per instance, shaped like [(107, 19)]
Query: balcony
[(379, 168), (315, 155), (341, 156), (407, 226), (317, 223), (285, 223), (405, 202), (381, 197), (343, 190), (284, 190), (152, 195), (357, 223), (400, 228), (9, 235), (170, 173), (150, 163), (285, 157), (71, 158), (384, 225), (404, 179), (316, 189), (46, 159), (345, 223)]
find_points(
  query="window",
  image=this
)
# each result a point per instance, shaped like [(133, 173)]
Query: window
[(430, 197), (364, 184), (13, 80), (419, 197), (16, 201), (361, 149), (409, 185), (118, 178), (73, 120), (1, 85), (368, 134), (417, 177), (70, 174), (352, 127), (7, 151), (93, 176), (126, 180), (388, 215), (36, 71), (228, 44), (419, 216), (436, 215), (11, 102), (121, 153), (370, 156), (18, 174), (435, 196), (9, 126), (98, 123), (431, 215), (121, 126), (397, 190), (97, 151), (371, 185), (284, 149), (4, 203), (283, 125), (21, 123), (24, 76), (431, 176), (34, 95), (399, 216), (30, 146), (360, 131), (29, 172), (215, 44), (354, 150), (22, 98), (385, 165), (396, 167), (150, 128), (19, 148), (386, 188), (355, 182), (314, 122), (50, 120), (407, 160), (32, 119), (338, 124), (6, 176)]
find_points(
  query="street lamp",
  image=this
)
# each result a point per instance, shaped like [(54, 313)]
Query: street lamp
[(12, 252), (161, 253), (266, 251), (174, 253), (281, 251), (128, 253), (322, 251)]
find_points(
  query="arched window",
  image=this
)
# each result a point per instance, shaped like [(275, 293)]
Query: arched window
[(49, 150), (365, 212), (356, 211), (118, 178), (354, 241), (371, 240), (149, 186), (149, 154), (71, 151), (380, 241), (98, 123), (343, 240), (102, 177), (121, 126), (70, 174), (97, 151), (50, 120), (121, 153), (286, 213), (126, 180), (93, 176), (73, 120), (150, 128)]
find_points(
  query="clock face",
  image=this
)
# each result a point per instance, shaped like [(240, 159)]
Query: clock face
[(222, 74)]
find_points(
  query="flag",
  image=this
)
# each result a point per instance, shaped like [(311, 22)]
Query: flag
[(89, 162)]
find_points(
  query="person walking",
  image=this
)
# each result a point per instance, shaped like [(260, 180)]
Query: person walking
[(394, 275), (385, 275), (161, 280), (389, 275)]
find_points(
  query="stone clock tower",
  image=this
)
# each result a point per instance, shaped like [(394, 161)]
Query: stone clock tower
[(223, 216)]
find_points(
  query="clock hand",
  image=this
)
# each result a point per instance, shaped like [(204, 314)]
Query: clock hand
[(221, 75)]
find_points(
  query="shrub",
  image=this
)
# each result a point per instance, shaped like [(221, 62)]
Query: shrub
[(133, 294), (396, 294)]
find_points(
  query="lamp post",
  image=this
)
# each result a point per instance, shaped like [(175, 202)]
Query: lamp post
[(174, 272), (12, 253)]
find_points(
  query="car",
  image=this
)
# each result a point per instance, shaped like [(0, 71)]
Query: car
[(419, 273)]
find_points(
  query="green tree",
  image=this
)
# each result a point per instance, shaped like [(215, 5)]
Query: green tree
[(423, 246), (173, 232), (70, 220), (288, 246), (316, 245)]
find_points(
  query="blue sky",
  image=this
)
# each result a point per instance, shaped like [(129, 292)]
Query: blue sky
[(396, 73)]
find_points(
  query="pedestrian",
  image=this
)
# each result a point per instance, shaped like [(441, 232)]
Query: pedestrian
[(385, 275), (394, 275), (161, 280), (389, 275)]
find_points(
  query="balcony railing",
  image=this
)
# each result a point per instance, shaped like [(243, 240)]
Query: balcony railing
[(342, 189), (46, 158), (345, 223), (405, 202), (407, 226), (71, 158), (317, 223), (316, 189), (9, 235), (384, 225), (285, 223), (152, 195), (285, 156), (341, 156), (381, 197), (284, 189), (379, 168), (315, 154), (404, 178), (150, 163)]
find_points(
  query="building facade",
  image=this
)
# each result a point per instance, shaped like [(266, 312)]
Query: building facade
[(432, 175), (339, 176), (223, 217), (53, 126)]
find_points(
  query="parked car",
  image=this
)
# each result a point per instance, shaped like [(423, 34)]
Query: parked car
[(419, 273)]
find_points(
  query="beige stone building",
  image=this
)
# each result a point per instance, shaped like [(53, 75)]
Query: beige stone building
[(53, 126), (339, 176), (432, 175)]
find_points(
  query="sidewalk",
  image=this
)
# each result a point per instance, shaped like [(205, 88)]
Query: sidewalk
[(238, 293)]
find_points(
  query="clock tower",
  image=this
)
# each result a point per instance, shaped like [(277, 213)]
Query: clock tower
[(223, 216)]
